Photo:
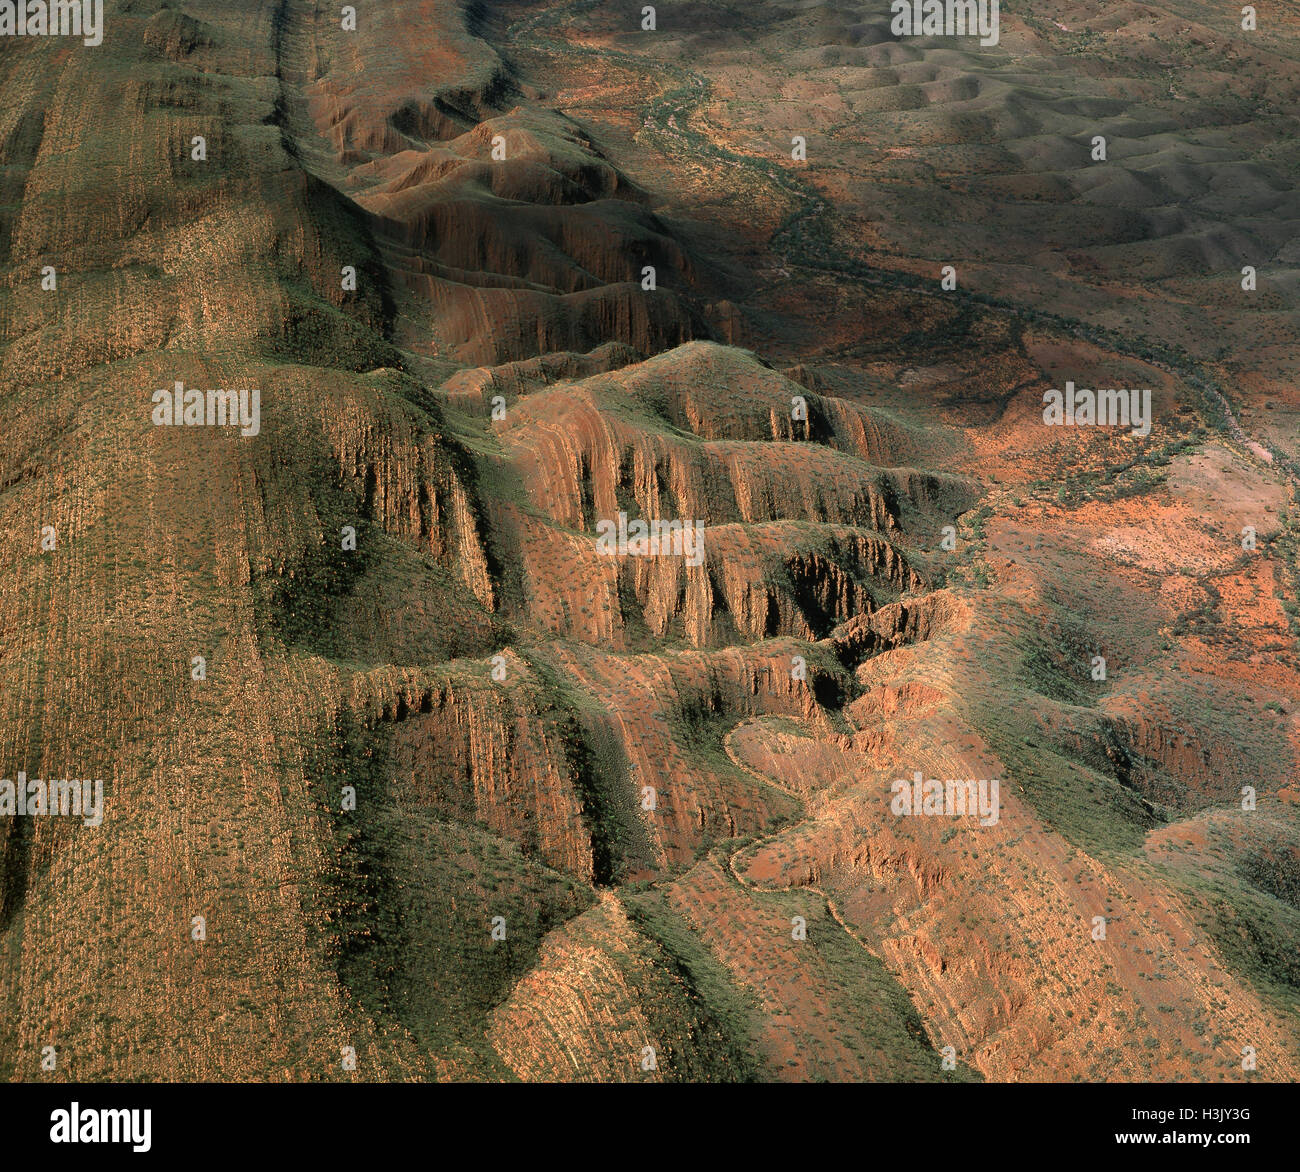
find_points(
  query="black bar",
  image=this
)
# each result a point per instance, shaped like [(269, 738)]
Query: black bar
[(659, 1123)]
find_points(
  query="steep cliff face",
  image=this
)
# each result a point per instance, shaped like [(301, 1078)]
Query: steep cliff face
[(495, 754), (653, 432), (412, 481)]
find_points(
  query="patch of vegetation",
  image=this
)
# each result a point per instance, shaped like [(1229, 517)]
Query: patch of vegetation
[(380, 910), (730, 1016)]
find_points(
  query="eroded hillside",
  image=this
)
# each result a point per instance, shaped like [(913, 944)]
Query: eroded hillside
[(457, 791)]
